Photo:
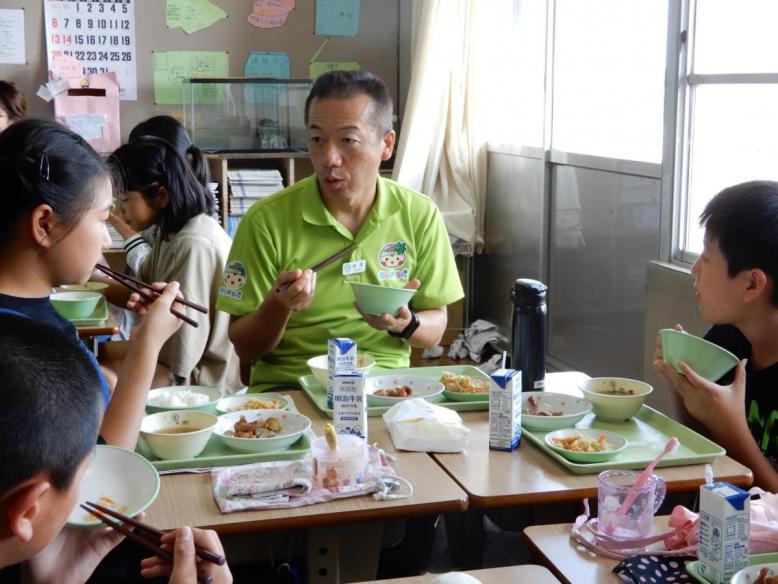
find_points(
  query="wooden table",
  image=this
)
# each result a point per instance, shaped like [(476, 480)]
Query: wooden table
[(528, 476), (570, 562), (109, 327), (188, 499), (527, 573)]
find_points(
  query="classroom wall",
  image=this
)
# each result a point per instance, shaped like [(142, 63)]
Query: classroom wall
[(376, 47)]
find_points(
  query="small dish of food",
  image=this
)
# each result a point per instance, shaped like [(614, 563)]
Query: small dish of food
[(253, 401), (546, 411), (116, 478), (586, 444), (183, 397), (465, 387), (177, 435), (759, 574), (387, 390), (261, 430), (615, 399)]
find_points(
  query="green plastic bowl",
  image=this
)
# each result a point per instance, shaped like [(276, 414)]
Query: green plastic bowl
[(706, 359), (374, 299), (75, 305), (85, 287)]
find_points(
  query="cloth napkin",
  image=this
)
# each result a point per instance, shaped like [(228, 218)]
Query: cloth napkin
[(289, 483), (653, 569)]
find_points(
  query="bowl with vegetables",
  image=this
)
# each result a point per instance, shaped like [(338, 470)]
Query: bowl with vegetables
[(615, 399), (546, 411), (586, 444)]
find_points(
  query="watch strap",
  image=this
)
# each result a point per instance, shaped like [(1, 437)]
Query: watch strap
[(408, 331)]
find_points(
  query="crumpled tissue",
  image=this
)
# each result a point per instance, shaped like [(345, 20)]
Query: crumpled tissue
[(416, 424)]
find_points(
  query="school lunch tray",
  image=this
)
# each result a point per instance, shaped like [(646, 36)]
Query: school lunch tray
[(99, 315), (318, 394), (693, 567), (216, 453), (646, 435)]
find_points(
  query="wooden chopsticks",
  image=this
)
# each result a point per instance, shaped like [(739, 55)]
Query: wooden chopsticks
[(147, 536), (137, 286), (324, 263)]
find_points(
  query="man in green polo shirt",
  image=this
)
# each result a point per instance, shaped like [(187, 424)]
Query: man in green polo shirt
[(283, 314)]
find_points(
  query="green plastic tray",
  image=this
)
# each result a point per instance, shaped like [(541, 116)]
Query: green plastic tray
[(646, 435), (217, 454), (753, 560), (99, 315), (318, 393)]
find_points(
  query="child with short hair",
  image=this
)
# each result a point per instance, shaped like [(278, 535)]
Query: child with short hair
[(57, 195), (50, 395), (735, 280)]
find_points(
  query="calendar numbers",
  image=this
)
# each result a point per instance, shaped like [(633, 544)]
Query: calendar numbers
[(98, 33)]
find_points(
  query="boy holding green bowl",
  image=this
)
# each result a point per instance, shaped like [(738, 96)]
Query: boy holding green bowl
[(735, 283), (51, 411)]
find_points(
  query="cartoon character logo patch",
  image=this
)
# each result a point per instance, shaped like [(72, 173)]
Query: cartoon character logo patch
[(235, 277), (393, 256)]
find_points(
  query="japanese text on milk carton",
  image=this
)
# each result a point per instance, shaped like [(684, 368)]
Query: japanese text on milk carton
[(505, 410), (724, 521), (341, 358), (349, 412)]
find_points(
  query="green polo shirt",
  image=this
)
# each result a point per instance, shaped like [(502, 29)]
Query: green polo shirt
[(402, 238)]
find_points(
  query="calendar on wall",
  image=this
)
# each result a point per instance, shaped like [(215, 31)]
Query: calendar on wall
[(99, 34)]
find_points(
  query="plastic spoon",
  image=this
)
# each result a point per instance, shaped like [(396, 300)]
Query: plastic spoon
[(642, 479), (331, 436)]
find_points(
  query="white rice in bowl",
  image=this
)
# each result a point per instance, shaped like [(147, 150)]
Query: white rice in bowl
[(181, 398)]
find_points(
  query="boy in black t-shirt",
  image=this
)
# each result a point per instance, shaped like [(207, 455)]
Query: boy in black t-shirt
[(735, 283)]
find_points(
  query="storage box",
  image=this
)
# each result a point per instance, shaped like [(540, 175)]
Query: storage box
[(505, 410), (724, 535), (246, 114), (349, 403)]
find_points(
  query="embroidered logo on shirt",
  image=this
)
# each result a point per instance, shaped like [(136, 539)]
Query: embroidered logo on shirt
[(235, 277)]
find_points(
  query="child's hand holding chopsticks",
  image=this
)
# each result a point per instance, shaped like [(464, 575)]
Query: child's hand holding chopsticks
[(185, 563)]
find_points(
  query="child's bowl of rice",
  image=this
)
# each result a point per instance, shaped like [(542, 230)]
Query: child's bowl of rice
[(183, 397)]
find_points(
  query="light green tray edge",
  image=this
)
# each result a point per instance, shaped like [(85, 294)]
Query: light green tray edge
[(648, 426), (753, 560), (99, 315), (318, 394), (216, 453)]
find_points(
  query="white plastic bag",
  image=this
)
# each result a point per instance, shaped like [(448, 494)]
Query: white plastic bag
[(415, 424)]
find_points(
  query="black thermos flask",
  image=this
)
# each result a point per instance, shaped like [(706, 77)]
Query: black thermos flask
[(528, 342)]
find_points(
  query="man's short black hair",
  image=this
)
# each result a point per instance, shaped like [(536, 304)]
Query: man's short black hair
[(347, 84), (50, 403), (743, 219)]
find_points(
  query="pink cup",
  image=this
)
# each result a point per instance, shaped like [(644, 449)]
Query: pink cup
[(343, 467), (613, 486)]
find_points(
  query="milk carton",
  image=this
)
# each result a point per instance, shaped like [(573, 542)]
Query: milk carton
[(724, 519), (341, 358), (505, 410), (349, 411)]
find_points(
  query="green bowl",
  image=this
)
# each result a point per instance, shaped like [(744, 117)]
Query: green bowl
[(706, 359), (374, 299), (178, 397), (85, 287), (616, 441), (75, 305)]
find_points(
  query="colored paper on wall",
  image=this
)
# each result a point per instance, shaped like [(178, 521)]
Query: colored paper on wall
[(337, 17), (12, 48), (320, 67), (265, 64), (171, 68), (270, 13), (192, 15)]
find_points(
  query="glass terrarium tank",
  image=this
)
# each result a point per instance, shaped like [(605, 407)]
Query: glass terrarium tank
[(246, 114)]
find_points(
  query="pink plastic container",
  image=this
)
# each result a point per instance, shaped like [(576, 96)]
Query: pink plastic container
[(342, 467)]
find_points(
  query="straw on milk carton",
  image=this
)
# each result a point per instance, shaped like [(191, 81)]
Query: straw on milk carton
[(349, 412), (724, 521), (505, 409), (341, 358)]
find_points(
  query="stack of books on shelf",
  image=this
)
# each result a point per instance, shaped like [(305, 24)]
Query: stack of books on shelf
[(246, 188)]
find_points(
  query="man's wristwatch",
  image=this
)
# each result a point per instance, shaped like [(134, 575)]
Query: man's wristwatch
[(408, 331)]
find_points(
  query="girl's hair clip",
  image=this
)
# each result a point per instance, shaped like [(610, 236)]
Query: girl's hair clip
[(44, 168)]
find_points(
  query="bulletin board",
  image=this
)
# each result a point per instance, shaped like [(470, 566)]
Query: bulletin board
[(376, 47)]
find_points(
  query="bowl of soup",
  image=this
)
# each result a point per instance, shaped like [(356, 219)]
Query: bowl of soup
[(178, 435), (375, 299), (318, 366), (85, 287), (706, 359), (615, 399), (75, 304)]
